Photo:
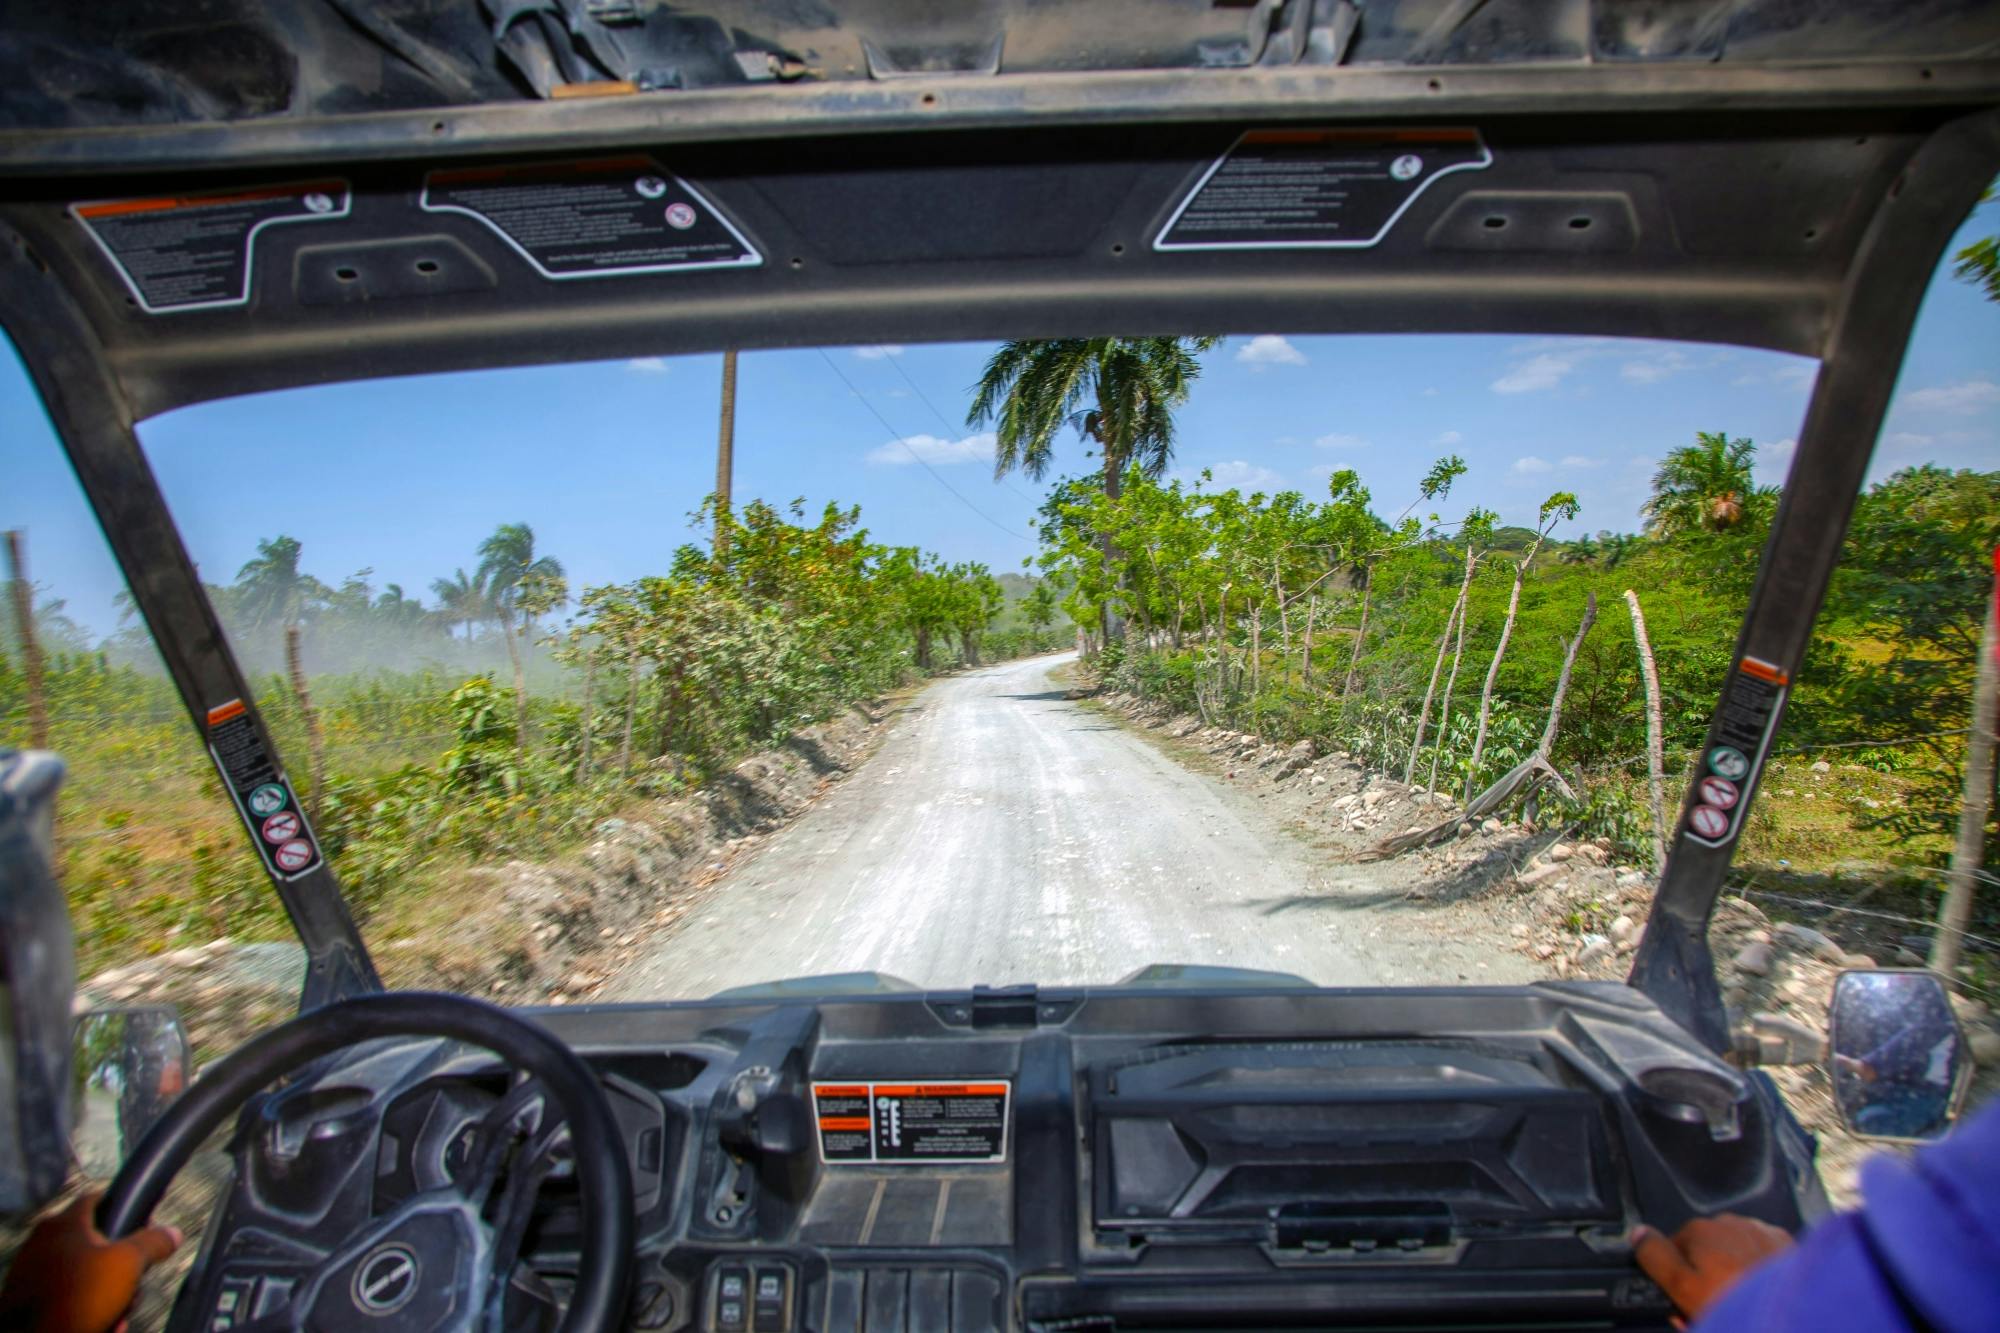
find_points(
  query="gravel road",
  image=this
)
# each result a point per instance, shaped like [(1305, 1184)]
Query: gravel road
[(1003, 833)]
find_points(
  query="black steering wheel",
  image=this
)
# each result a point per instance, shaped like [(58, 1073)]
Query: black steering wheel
[(437, 1248)]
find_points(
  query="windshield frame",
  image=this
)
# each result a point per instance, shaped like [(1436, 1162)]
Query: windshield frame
[(94, 375)]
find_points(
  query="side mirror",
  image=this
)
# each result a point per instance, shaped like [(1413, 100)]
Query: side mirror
[(1898, 1059), (131, 1063)]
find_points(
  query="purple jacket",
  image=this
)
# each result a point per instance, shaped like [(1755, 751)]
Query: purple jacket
[(1923, 1251)]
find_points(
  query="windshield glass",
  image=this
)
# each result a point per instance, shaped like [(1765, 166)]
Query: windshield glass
[(1368, 660)]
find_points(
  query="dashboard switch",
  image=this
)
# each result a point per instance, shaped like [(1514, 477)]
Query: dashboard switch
[(773, 1306), (732, 1301)]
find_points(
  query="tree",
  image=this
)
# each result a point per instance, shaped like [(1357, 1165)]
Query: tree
[(1040, 606), (1119, 393), (517, 582), (1562, 505), (270, 590), (1474, 531), (461, 600), (1979, 263), (1705, 487), (1374, 540)]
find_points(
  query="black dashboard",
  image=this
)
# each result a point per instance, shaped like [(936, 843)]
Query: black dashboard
[(1136, 1157)]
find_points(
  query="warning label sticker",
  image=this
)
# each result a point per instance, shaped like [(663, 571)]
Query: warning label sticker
[(595, 219), (1315, 189), (263, 797), (1750, 710), (193, 251), (912, 1122)]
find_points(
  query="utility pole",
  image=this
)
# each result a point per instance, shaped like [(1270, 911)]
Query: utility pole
[(725, 453), (31, 651)]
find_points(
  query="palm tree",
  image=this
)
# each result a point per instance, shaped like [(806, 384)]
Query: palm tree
[(461, 600), (1618, 547), (1703, 487), (514, 577), (1582, 551), (270, 590), (1119, 393)]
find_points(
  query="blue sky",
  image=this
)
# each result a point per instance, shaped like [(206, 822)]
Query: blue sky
[(605, 460)]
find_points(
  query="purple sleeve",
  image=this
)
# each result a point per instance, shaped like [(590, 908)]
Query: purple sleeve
[(1923, 1251), (1830, 1281)]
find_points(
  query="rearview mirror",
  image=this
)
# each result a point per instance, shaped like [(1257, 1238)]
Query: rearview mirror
[(130, 1066), (1898, 1059)]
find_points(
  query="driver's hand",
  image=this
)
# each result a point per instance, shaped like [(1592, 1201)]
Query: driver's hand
[(67, 1278), (1706, 1257)]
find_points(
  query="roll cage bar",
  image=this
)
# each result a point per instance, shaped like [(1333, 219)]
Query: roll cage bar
[(1799, 208)]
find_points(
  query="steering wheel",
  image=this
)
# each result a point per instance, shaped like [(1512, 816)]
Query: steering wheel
[(435, 1260)]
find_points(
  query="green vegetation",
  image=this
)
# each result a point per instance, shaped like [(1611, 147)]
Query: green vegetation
[(1297, 618), (648, 689)]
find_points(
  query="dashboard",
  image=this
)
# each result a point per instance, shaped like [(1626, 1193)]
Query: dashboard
[(1137, 1157)]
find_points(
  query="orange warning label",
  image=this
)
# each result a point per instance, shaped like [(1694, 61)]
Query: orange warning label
[(195, 251), (960, 1122)]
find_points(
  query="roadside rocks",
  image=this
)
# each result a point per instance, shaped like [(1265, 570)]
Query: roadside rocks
[(1753, 959), (1805, 937)]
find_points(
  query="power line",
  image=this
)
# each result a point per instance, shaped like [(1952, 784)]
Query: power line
[(944, 421), (897, 436)]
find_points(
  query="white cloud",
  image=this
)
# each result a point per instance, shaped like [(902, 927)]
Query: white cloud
[(1269, 349), (878, 351), (1320, 471), (1533, 464), (1654, 368), (972, 449), (648, 365), (1449, 437), (1581, 461), (1908, 441), (1236, 474), (1338, 440), (1431, 392), (1544, 370), (1964, 396)]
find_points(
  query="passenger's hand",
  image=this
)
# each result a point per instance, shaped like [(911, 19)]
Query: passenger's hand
[(1706, 1257), (67, 1278)]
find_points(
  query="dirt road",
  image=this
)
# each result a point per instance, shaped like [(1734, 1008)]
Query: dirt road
[(1006, 834)]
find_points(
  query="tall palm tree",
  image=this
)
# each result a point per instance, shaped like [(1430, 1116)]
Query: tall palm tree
[(270, 590), (511, 572), (1703, 487), (1119, 393), (461, 600)]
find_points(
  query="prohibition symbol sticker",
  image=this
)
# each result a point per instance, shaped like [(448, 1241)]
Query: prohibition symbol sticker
[(282, 827), (266, 800), (1719, 792), (1708, 821), (293, 855)]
